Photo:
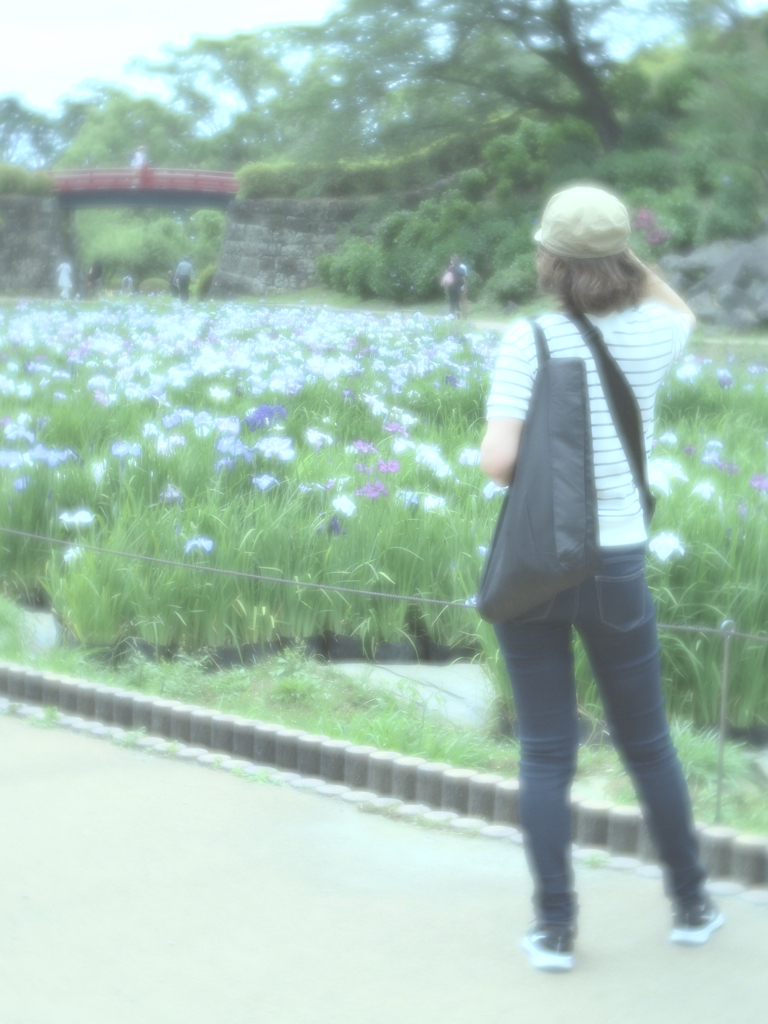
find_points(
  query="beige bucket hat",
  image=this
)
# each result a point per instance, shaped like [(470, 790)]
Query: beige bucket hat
[(584, 223)]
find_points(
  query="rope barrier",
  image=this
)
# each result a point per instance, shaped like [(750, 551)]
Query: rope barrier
[(235, 572), (724, 630)]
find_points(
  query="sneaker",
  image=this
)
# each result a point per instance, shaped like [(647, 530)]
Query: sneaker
[(694, 923), (550, 947)]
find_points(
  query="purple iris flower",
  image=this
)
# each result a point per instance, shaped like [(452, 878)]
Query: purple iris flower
[(373, 490), (363, 469), (365, 447), (690, 450), (759, 482), (265, 416), (388, 467), (50, 456), (170, 496), (395, 428), (452, 380), (724, 379), (265, 482), (233, 446), (122, 448)]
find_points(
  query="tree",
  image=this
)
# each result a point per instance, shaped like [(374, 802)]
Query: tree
[(566, 35), (397, 73), (728, 106), (549, 56), (26, 136), (114, 126), (231, 90)]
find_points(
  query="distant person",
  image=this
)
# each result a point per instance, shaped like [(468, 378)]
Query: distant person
[(94, 280), (64, 279), (172, 286), (183, 277), (127, 285), (454, 282), (140, 164)]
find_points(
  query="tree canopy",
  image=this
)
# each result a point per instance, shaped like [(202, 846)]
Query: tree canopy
[(491, 103), (383, 77)]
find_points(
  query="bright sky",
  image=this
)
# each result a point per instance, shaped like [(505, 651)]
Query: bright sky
[(50, 47)]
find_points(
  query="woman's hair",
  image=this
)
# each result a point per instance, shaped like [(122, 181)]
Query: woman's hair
[(598, 285)]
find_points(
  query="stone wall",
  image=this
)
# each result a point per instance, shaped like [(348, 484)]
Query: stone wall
[(725, 283), (271, 245), (33, 242)]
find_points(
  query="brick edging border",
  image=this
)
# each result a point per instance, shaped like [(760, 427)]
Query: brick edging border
[(599, 828)]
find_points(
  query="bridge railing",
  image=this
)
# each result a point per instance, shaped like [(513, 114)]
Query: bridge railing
[(156, 178)]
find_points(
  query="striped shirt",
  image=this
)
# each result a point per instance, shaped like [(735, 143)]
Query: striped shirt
[(644, 341)]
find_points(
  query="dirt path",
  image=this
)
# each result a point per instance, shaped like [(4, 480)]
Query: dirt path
[(139, 890)]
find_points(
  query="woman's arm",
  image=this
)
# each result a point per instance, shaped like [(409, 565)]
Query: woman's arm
[(659, 291), (498, 451)]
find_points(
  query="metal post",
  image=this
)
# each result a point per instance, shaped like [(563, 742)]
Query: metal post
[(726, 628)]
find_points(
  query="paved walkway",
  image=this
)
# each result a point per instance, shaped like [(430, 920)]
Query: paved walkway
[(141, 890)]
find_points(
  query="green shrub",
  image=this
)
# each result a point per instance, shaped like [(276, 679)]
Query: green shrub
[(646, 129), (154, 286), (203, 283), (16, 180), (539, 154), (405, 259), (680, 216), (349, 178), (258, 181), (676, 223), (351, 268), (569, 149), (516, 283), (699, 168), (473, 184), (673, 89), (734, 210), (511, 161), (324, 266), (516, 240), (651, 168)]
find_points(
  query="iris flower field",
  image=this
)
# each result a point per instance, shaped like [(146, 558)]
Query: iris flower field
[(338, 448)]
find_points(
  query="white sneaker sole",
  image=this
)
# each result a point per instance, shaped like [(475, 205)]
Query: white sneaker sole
[(544, 960), (696, 936)]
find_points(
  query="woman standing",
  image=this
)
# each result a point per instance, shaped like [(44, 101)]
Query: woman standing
[(585, 262)]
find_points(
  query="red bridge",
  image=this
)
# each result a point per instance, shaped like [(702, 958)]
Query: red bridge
[(144, 186)]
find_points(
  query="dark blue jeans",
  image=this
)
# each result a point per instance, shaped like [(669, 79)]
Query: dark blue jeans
[(614, 615)]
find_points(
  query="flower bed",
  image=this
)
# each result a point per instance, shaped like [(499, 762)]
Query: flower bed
[(336, 448)]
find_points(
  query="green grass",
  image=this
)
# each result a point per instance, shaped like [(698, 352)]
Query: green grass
[(296, 693)]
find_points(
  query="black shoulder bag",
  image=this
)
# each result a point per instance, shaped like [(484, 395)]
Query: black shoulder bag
[(546, 538)]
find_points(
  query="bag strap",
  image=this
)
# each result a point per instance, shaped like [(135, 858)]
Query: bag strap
[(542, 349), (622, 403)]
